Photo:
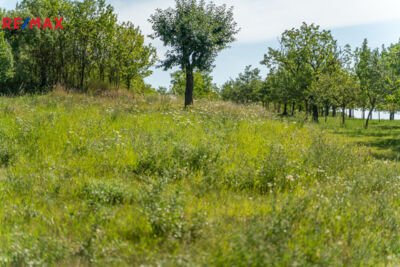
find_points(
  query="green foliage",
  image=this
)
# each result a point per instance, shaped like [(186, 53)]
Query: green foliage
[(281, 87), (195, 32), (304, 54), (309, 70), (340, 88), (132, 57), (244, 89), (6, 60), (391, 59), (92, 48), (370, 71), (203, 84)]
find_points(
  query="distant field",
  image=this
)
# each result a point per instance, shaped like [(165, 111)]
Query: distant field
[(122, 182)]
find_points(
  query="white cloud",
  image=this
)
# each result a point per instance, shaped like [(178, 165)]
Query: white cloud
[(262, 20)]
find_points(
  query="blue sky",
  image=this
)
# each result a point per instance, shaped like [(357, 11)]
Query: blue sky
[(262, 21)]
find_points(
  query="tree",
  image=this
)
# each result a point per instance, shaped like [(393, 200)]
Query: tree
[(196, 32), (370, 71), (283, 88), (91, 47), (391, 62), (203, 84), (132, 57), (244, 89), (340, 87), (36, 52), (85, 38), (6, 60), (305, 53)]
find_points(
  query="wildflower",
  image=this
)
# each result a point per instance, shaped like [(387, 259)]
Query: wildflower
[(290, 178)]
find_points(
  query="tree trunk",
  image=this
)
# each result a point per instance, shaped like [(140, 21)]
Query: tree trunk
[(343, 115), (363, 113), (128, 82), (350, 113), (307, 107), (101, 72), (43, 77), (83, 68), (333, 111), (315, 113), (285, 113), (392, 116), (293, 108), (369, 116), (326, 110), (189, 88)]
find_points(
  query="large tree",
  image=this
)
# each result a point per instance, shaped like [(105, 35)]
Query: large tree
[(196, 32)]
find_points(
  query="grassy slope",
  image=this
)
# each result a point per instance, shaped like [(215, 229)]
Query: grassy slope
[(121, 182)]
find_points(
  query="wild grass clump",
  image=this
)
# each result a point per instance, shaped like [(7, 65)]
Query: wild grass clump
[(140, 181)]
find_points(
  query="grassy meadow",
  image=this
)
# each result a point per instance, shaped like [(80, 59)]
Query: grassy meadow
[(381, 137), (122, 181)]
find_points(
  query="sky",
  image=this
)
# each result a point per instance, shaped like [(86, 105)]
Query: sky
[(262, 22)]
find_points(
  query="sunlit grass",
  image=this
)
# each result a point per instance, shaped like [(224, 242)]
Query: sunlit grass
[(381, 137), (116, 181)]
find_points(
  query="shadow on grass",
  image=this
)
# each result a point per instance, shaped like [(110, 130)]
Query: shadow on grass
[(363, 133), (386, 156), (388, 127), (382, 138), (390, 148)]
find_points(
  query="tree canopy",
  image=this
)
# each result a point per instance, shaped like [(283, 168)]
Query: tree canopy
[(92, 47), (195, 32)]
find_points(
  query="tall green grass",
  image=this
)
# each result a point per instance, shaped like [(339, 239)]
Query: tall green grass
[(381, 137), (122, 182)]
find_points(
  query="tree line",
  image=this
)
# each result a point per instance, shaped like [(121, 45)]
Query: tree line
[(92, 49), (310, 72)]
